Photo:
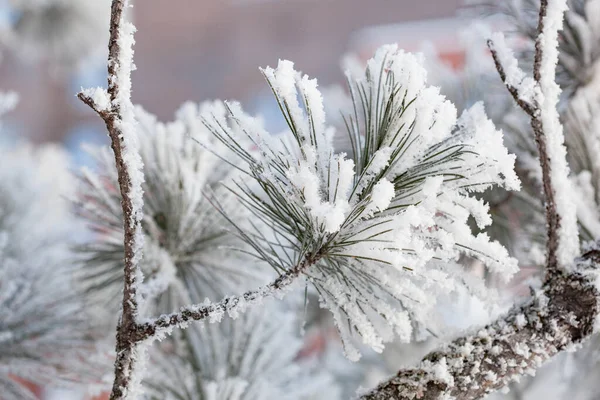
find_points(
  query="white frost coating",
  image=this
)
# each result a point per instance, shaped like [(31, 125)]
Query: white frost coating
[(547, 97), (515, 76), (440, 371), (135, 389), (383, 193)]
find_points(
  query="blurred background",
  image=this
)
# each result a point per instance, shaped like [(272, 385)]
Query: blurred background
[(200, 50)]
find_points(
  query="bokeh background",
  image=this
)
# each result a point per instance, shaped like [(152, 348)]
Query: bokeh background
[(207, 49)]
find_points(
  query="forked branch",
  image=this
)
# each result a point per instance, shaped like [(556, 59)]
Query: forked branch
[(545, 123), (112, 107)]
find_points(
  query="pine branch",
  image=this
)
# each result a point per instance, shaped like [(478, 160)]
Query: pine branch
[(561, 315), (255, 356)]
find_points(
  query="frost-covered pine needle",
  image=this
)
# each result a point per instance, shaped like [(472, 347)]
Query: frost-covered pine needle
[(385, 220)]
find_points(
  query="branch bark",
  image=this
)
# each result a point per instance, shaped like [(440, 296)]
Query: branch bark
[(553, 218), (560, 316), (536, 112)]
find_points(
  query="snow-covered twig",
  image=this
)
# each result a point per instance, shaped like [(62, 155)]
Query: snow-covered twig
[(230, 305), (562, 242), (116, 109), (504, 58)]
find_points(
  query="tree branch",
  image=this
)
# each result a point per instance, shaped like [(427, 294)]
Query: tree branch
[(115, 115), (164, 324), (552, 216), (528, 108), (561, 315), (547, 131)]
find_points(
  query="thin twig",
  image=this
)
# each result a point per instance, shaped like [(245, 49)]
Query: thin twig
[(126, 339), (190, 313), (539, 47), (553, 218), (528, 108)]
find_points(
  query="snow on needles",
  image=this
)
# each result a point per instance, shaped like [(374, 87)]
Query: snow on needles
[(382, 222)]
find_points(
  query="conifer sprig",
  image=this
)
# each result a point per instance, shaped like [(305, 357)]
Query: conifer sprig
[(385, 220)]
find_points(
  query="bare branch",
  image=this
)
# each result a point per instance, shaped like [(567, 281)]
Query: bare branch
[(561, 315), (113, 117)]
